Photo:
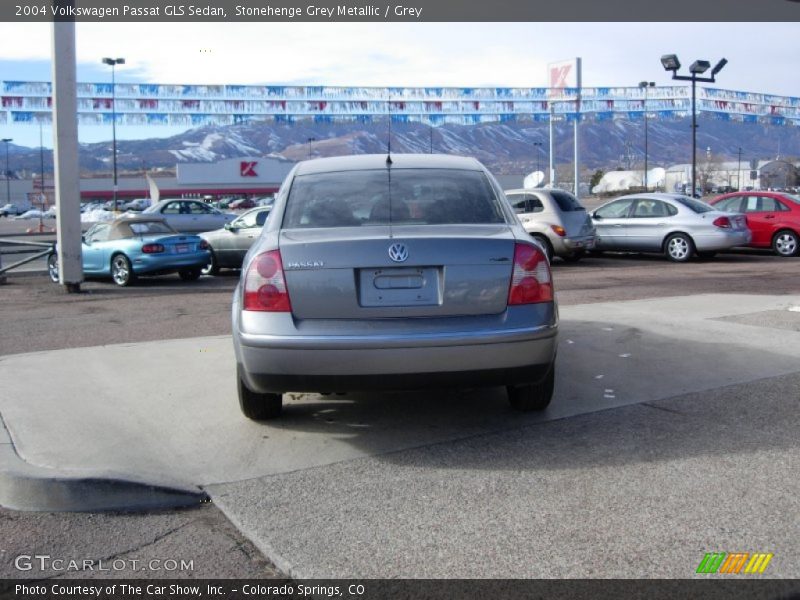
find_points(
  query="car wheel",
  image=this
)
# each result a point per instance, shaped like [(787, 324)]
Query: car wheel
[(679, 247), (254, 405), (785, 243), (121, 270), (190, 274), (534, 396), (52, 267), (212, 268), (545, 243)]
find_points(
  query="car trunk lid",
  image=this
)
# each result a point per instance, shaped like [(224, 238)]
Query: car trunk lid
[(448, 270)]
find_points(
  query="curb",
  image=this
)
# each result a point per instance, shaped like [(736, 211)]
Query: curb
[(27, 487)]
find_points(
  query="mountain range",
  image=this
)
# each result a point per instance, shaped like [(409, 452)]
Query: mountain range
[(506, 148)]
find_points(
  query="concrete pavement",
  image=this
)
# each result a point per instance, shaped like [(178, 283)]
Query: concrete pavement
[(414, 485)]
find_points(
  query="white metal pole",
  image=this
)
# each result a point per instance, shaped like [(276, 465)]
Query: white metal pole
[(552, 165), (66, 177)]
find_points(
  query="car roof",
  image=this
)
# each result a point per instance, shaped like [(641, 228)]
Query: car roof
[(652, 196), (362, 162)]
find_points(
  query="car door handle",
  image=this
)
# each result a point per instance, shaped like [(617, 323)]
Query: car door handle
[(769, 216)]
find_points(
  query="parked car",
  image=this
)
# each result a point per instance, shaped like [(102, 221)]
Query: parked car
[(773, 218), (137, 205), (189, 215), (399, 272), (130, 246), (556, 219), (14, 209), (242, 203), (229, 245), (676, 225)]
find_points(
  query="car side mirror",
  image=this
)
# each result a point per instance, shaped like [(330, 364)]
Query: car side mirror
[(228, 226), (83, 239), (596, 216)]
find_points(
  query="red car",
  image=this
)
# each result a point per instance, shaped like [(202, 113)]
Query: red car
[(242, 203), (773, 218)]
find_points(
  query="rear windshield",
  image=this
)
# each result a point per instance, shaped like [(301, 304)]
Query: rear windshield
[(695, 205), (567, 202), (396, 196), (149, 227), (792, 197)]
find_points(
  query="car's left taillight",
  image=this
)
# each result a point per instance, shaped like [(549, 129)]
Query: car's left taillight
[(265, 284), (722, 222), (531, 281)]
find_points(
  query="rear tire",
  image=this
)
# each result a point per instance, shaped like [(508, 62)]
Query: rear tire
[(679, 247), (52, 267), (785, 243), (255, 406), (190, 274), (534, 396), (121, 270), (212, 268), (545, 243)]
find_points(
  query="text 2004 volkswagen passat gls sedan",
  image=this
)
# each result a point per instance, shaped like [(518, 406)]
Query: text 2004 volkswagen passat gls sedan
[(393, 272)]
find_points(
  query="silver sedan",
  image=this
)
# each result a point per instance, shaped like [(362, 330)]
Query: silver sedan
[(677, 226), (230, 244), (400, 272), (189, 215)]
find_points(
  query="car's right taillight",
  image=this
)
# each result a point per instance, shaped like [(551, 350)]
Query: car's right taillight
[(531, 282), (722, 222), (265, 284)]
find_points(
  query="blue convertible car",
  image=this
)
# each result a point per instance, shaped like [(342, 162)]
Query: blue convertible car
[(138, 245)]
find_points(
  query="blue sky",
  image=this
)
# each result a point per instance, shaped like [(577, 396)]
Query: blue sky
[(762, 56)]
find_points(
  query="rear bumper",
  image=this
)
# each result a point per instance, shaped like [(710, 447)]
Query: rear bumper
[(569, 245), (404, 358), (173, 262), (272, 383)]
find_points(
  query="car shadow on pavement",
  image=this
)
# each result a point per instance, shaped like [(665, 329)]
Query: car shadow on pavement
[(621, 395)]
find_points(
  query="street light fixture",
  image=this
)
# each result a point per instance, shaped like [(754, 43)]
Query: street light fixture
[(113, 62), (670, 62), (645, 85), (8, 173)]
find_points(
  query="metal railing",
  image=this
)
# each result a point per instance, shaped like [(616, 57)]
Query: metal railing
[(47, 248)]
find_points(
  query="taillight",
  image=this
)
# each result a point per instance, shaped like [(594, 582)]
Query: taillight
[(204, 245), (152, 248), (265, 284), (560, 231), (530, 279), (722, 222)]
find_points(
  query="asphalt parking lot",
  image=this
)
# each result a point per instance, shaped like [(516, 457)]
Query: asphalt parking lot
[(654, 414)]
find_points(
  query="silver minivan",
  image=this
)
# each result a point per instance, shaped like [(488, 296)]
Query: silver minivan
[(393, 272), (556, 219)]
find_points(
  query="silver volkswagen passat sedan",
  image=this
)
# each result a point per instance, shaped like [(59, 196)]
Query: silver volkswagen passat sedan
[(673, 224), (393, 272)]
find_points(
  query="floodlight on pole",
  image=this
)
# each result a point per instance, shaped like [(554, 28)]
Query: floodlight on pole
[(113, 62), (670, 62)]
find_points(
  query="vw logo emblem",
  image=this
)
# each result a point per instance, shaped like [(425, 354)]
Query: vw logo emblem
[(398, 252)]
